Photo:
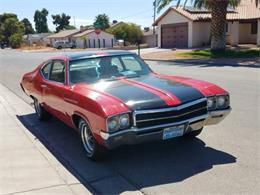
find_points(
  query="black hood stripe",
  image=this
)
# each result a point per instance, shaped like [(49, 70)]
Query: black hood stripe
[(133, 96), (183, 92)]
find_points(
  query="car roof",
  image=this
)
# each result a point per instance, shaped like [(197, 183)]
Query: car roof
[(95, 53)]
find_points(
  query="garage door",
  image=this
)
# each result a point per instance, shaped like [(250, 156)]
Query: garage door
[(174, 35)]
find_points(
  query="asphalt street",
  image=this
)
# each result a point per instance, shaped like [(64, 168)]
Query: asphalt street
[(224, 159)]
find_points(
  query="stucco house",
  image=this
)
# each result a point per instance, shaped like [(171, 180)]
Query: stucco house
[(94, 39), (39, 38), (186, 27), (149, 37)]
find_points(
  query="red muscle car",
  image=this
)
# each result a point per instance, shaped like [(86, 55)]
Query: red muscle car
[(113, 98)]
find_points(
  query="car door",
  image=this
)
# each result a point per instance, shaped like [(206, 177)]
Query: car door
[(55, 88)]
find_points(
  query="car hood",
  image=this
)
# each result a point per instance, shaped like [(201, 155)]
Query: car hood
[(147, 92)]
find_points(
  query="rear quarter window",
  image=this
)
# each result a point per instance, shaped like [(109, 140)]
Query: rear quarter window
[(46, 70)]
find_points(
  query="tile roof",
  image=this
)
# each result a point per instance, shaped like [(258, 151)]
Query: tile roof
[(86, 32), (64, 33), (242, 12)]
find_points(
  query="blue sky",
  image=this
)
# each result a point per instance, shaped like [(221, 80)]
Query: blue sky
[(84, 11)]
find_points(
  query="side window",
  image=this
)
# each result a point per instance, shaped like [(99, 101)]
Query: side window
[(57, 72), (116, 62), (46, 70), (131, 63)]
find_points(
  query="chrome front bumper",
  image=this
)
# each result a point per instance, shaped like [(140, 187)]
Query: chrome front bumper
[(214, 117), (135, 135)]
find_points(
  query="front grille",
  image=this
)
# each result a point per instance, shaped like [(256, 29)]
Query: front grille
[(155, 117)]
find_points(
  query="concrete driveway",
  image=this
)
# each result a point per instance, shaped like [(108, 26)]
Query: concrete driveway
[(224, 159)]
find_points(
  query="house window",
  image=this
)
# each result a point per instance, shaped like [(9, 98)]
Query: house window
[(104, 43), (226, 27), (254, 28), (112, 42), (99, 43)]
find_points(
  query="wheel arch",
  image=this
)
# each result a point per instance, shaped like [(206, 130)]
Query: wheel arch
[(76, 118)]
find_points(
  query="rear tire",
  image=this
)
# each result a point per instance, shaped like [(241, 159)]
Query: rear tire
[(193, 134), (59, 47), (93, 150), (41, 113)]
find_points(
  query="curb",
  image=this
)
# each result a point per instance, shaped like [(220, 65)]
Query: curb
[(208, 62)]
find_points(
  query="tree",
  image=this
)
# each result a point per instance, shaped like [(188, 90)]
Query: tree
[(128, 32), (9, 25), (102, 21), (61, 21), (70, 27), (40, 19), (218, 17), (16, 40), (28, 29)]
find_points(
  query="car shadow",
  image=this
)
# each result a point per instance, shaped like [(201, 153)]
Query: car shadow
[(141, 166)]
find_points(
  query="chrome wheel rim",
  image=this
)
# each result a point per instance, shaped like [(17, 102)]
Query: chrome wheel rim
[(87, 138)]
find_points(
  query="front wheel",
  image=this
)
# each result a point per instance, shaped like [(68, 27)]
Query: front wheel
[(93, 150), (41, 113)]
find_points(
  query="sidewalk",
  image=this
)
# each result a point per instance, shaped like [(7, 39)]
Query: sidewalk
[(26, 166)]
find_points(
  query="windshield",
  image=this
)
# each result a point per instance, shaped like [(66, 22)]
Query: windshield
[(92, 70)]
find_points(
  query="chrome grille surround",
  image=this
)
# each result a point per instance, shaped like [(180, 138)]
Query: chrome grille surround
[(172, 115)]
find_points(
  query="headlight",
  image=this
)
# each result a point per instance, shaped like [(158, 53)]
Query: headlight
[(113, 124), (121, 121), (124, 121), (211, 103), (222, 101)]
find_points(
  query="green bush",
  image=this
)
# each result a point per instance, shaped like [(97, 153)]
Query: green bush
[(16, 40), (130, 33)]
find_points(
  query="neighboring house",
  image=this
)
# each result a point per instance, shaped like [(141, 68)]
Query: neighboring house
[(63, 35), (150, 37), (94, 39), (39, 38), (188, 27)]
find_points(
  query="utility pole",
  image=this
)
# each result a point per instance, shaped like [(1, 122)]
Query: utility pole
[(154, 14)]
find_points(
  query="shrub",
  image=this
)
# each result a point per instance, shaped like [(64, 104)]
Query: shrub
[(130, 33), (16, 40)]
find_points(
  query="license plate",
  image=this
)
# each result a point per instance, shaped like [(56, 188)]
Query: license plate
[(172, 132)]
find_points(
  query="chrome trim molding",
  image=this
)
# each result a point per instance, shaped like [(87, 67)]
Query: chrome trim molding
[(134, 129), (169, 117), (213, 117)]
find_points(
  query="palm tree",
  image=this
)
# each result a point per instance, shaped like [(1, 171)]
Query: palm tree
[(218, 17)]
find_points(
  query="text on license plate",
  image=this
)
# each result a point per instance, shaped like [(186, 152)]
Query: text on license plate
[(172, 132)]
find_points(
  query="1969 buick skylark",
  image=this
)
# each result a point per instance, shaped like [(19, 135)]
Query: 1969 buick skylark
[(113, 98)]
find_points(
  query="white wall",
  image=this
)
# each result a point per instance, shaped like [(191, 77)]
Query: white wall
[(171, 18), (102, 36), (245, 35), (200, 34)]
